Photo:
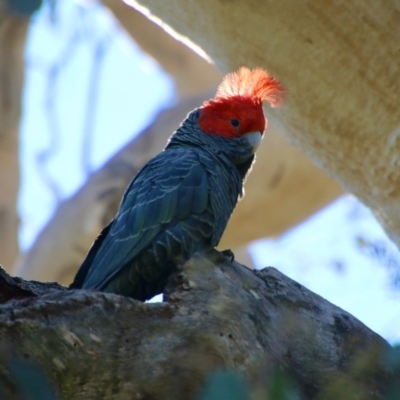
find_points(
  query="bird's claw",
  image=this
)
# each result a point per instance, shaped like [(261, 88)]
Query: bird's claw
[(228, 253), (220, 257)]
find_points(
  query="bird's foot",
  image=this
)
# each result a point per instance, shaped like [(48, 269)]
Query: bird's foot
[(228, 253), (220, 257)]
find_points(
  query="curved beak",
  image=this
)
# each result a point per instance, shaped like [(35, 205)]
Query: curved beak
[(254, 139)]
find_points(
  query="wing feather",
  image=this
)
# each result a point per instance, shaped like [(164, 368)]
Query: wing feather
[(163, 194)]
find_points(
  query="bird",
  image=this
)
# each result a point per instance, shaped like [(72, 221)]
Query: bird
[(180, 202)]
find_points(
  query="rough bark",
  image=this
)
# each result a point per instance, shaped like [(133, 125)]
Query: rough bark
[(339, 61), (13, 30), (216, 314), (283, 189)]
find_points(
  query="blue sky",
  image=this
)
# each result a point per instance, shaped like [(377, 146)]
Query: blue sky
[(330, 253)]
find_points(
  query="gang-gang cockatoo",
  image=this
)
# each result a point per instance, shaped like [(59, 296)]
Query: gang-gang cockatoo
[(180, 202)]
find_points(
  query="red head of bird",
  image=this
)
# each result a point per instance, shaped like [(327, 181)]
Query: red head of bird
[(236, 110)]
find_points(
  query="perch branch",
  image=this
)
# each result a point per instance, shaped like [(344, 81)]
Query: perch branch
[(215, 314)]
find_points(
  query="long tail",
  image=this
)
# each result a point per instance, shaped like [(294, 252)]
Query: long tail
[(84, 269)]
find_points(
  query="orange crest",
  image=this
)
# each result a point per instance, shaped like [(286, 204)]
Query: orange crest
[(236, 108), (255, 84)]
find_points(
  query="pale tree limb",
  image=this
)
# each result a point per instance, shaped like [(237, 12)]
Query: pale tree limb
[(217, 314), (13, 31), (339, 63)]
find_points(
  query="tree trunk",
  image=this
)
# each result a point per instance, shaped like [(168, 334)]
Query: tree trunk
[(216, 314)]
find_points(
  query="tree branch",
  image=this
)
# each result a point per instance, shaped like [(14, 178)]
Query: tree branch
[(216, 314)]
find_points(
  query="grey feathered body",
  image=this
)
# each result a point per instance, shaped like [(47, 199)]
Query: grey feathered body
[(178, 204)]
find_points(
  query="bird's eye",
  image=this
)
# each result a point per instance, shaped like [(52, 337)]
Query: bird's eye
[(235, 122)]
